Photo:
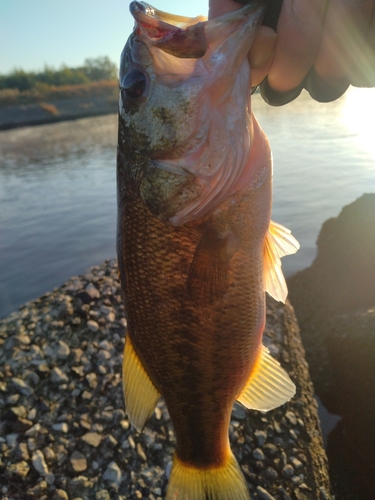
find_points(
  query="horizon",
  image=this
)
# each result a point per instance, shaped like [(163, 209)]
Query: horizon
[(43, 33)]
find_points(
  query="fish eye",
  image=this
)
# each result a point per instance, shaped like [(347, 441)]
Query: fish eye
[(133, 84)]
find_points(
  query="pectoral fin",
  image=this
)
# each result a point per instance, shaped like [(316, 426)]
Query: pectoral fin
[(278, 243), (140, 393), (269, 386), (208, 274)]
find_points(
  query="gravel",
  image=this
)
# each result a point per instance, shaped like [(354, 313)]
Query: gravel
[(64, 433)]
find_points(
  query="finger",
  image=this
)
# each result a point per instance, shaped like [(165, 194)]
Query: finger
[(218, 8), (344, 41), (299, 31), (363, 72), (261, 54), (325, 90)]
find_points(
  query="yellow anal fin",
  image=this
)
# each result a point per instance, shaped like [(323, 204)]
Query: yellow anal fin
[(140, 393), (269, 386), (278, 243), (224, 482)]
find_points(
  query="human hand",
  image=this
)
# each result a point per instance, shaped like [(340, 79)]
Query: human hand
[(321, 45)]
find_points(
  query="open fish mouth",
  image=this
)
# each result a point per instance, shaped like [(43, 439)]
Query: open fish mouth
[(178, 35)]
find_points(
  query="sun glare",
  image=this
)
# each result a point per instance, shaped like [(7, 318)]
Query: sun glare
[(358, 115)]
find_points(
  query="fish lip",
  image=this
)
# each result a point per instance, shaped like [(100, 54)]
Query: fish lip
[(177, 35), (145, 12)]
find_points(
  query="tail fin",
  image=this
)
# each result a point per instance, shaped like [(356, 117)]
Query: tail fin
[(224, 482)]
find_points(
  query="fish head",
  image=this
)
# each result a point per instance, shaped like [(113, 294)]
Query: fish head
[(185, 118)]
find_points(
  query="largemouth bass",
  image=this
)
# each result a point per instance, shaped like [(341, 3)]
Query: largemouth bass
[(196, 247)]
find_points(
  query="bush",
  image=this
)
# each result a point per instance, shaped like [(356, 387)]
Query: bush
[(93, 70)]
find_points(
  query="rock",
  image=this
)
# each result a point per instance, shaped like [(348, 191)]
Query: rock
[(113, 475), (61, 427), (92, 325), (60, 495), (49, 454), (239, 412), (258, 454), (85, 395), (58, 376), (34, 430), (20, 411), (50, 478), (263, 494), (23, 452), (334, 300), (270, 473), (32, 414), (11, 439), (261, 437), (92, 438), (63, 350), (39, 463), (351, 354), (288, 470), (89, 294), (22, 387), (78, 461), (19, 468), (102, 495), (339, 281)]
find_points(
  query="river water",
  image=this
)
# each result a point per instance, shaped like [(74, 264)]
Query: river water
[(58, 193)]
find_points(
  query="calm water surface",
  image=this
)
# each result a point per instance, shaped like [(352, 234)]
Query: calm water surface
[(58, 192)]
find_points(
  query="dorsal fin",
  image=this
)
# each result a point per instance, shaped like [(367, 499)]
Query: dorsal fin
[(279, 242)]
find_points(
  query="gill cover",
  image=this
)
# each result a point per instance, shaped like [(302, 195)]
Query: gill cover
[(185, 106)]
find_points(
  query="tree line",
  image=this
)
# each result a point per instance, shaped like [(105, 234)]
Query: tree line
[(93, 70)]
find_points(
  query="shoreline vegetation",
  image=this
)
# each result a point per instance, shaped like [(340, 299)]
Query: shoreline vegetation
[(37, 98)]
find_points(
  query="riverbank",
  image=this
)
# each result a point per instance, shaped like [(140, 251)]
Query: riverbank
[(64, 432), (53, 111)]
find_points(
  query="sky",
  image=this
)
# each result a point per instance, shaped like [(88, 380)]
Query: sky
[(35, 33)]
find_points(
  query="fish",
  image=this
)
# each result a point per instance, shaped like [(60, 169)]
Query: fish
[(196, 247)]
